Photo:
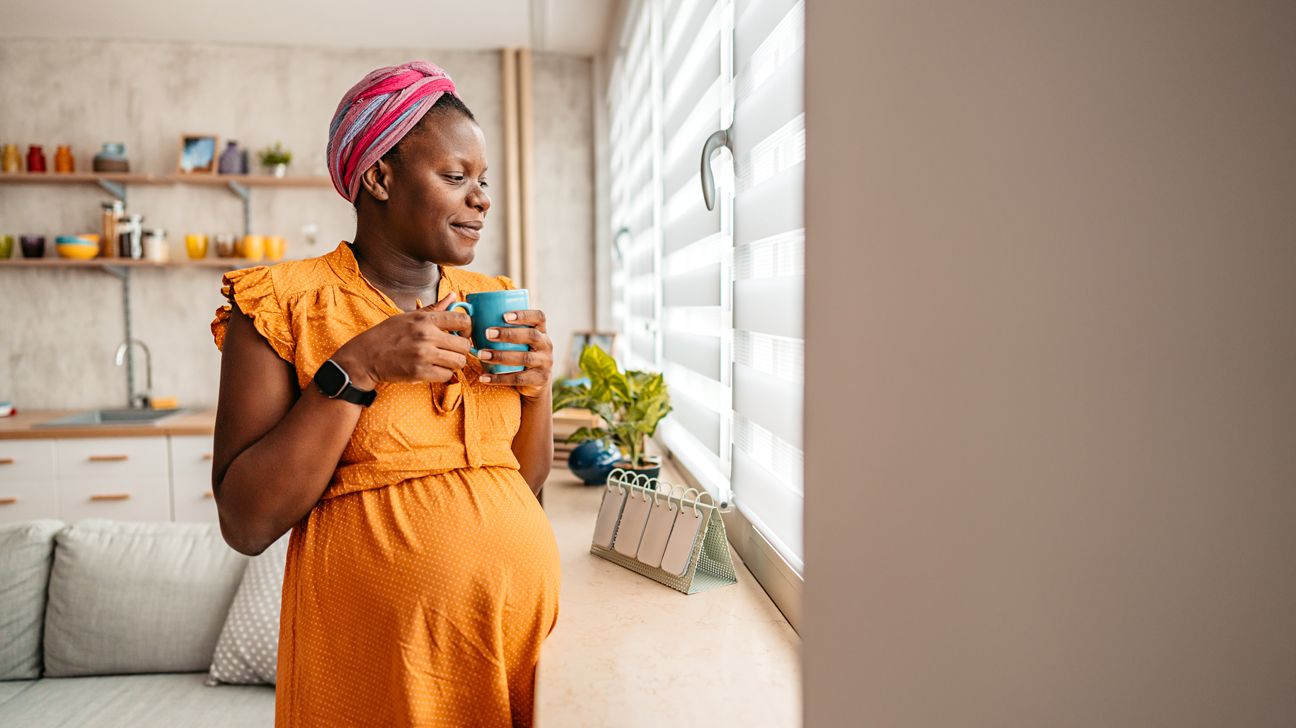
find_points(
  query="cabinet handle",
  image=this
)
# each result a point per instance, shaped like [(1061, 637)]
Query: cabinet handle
[(110, 497), (6, 461), (8, 500), (108, 458), (209, 494), (207, 456)]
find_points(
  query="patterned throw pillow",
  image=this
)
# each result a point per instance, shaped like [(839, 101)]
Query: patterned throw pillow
[(248, 648)]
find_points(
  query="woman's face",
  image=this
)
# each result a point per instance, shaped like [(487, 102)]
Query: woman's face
[(437, 200)]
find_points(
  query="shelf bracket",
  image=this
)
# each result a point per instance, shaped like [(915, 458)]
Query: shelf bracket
[(113, 188), (122, 273), (245, 194)]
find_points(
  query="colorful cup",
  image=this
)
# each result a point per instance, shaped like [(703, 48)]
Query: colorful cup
[(33, 246), (275, 247), (196, 245), (487, 309), (226, 246), (6, 246), (253, 247)]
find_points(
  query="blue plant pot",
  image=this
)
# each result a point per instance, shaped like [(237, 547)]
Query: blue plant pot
[(593, 460)]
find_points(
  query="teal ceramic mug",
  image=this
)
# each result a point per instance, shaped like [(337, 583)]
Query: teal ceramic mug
[(487, 311)]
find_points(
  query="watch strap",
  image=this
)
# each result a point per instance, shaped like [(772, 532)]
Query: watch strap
[(335, 383)]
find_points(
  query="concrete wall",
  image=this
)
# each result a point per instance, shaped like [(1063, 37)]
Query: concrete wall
[(1050, 408), (58, 329)]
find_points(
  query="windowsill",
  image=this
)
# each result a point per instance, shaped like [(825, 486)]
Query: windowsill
[(628, 651)]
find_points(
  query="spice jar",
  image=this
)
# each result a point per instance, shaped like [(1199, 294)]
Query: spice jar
[(108, 227), (63, 159), (130, 236), (35, 158), (12, 158)]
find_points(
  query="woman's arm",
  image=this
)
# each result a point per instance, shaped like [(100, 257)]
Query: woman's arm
[(533, 443), (277, 447)]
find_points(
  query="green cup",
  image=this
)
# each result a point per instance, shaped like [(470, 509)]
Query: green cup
[(6, 246)]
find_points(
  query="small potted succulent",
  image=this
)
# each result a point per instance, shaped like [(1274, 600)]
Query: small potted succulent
[(276, 159), (630, 403)]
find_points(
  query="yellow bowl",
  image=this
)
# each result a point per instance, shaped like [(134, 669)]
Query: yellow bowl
[(77, 251)]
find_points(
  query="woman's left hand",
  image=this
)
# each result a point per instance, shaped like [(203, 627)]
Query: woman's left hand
[(532, 382)]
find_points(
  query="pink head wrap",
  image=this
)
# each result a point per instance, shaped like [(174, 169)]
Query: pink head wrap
[(376, 114)]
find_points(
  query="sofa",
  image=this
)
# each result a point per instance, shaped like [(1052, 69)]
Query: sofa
[(106, 623)]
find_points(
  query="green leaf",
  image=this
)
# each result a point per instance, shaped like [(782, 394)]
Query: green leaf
[(583, 434), (568, 397)]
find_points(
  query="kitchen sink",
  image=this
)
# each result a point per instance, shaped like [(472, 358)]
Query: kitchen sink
[(110, 417)]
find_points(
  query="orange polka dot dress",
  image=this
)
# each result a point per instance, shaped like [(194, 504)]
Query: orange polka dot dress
[(419, 589)]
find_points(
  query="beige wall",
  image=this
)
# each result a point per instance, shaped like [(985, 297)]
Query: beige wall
[(1050, 356), (58, 329)]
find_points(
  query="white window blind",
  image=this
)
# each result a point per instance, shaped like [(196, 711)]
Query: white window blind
[(713, 298), (768, 140), (697, 243)]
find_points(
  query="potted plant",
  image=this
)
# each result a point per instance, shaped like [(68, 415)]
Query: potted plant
[(276, 159), (630, 403)]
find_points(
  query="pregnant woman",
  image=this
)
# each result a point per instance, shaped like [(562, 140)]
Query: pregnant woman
[(422, 574)]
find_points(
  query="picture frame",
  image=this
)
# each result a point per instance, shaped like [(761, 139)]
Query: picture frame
[(582, 339), (198, 154)]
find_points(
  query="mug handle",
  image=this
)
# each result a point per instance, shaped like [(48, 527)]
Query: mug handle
[(469, 308)]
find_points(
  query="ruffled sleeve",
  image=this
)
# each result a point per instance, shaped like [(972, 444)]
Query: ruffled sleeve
[(254, 291)]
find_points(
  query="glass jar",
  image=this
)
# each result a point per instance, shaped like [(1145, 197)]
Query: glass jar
[(155, 245), (109, 213), (130, 236)]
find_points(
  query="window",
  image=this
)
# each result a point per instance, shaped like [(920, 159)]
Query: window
[(713, 297)]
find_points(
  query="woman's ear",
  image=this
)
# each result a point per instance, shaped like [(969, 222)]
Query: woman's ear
[(377, 180)]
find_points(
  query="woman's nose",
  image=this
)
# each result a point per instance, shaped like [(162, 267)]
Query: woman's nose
[(478, 199)]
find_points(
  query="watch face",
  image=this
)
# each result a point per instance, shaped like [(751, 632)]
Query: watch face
[(330, 378)]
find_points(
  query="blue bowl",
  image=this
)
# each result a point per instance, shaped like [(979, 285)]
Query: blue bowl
[(593, 461)]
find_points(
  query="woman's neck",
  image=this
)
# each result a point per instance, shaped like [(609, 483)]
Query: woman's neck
[(407, 281)]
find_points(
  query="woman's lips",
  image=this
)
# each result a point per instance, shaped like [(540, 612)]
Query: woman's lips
[(470, 230)]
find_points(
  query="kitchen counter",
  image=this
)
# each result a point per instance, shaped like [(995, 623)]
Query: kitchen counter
[(630, 652), (21, 426)]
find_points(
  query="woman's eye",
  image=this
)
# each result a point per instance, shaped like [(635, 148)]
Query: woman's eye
[(455, 177), (483, 184)]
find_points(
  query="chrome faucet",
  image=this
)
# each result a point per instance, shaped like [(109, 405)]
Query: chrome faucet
[(143, 399)]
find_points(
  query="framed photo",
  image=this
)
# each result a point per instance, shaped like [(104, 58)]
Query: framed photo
[(198, 154), (582, 339)]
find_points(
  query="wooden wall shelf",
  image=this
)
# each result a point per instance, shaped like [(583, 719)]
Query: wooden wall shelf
[(222, 263), (131, 178)]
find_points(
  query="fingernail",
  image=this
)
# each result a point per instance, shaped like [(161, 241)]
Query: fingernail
[(492, 333), (485, 378), (510, 316), (484, 355)]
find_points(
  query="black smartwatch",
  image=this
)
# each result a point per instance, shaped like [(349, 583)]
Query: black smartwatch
[(335, 383)]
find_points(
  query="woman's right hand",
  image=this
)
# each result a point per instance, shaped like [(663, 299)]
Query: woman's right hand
[(410, 347)]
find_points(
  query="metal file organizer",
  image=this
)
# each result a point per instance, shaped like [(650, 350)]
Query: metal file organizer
[(708, 564)]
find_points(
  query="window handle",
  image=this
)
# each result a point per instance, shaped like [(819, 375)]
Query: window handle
[(714, 142)]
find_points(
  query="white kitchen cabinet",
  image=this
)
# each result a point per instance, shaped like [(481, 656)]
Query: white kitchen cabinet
[(27, 487), (150, 478), (191, 487), (122, 498), (95, 457)]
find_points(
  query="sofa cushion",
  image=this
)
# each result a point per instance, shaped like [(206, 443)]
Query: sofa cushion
[(138, 701), (137, 597), (11, 689), (26, 550), (248, 650)]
